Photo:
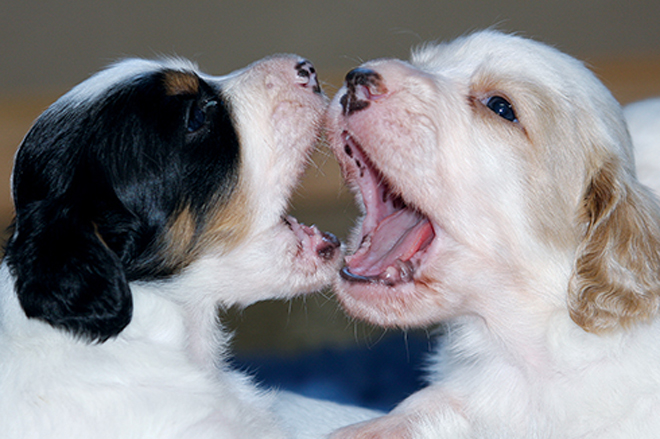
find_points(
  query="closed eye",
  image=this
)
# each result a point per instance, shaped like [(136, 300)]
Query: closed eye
[(501, 107)]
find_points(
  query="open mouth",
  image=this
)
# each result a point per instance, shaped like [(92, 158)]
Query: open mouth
[(324, 244), (394, 234)]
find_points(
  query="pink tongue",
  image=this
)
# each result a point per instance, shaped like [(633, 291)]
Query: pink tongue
[(397, 237)]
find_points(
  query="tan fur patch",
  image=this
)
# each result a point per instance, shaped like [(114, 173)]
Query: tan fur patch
[(223, 228), (180, 240), (230, 224), (177, 83), (616, 280)]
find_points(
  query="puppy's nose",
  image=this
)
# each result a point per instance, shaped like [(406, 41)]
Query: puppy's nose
[(362, 86), (307, 75)]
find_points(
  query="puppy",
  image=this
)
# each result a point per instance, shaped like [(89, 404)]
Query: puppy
[(147, 197), (500, 199)]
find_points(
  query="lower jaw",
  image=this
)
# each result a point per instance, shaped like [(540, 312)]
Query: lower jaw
[(404, 306), (375, 302), (398, 273)]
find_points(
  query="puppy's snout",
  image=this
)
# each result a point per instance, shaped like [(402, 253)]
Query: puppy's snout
[(363, 85), (307, 75), (363, 76)]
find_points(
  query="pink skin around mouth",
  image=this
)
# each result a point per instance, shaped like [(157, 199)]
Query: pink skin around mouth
[(324, 244), (393, 234)]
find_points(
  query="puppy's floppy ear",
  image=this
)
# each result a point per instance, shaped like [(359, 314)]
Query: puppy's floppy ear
[(616, 278), (65, 273)]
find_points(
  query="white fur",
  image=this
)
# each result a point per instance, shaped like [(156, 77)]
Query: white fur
[(505, 200)]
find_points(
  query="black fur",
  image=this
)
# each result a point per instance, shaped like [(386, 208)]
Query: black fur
[(96, 184)]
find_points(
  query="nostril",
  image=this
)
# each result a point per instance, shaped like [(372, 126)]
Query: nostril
[(370, 80), (305, 69), (363, 85), (306, 74), (360, 75)]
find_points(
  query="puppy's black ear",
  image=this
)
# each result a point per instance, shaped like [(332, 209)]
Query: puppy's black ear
[(65, 272)]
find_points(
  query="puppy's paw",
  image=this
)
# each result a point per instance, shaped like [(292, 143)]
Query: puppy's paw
[(390, 426)]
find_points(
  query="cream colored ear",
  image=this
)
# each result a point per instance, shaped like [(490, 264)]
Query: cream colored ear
[(616, 278)]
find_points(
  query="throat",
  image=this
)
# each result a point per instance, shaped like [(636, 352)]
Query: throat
[(196, 333)]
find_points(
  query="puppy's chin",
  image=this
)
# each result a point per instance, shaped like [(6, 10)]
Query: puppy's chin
[(385, 290), (406, 305)]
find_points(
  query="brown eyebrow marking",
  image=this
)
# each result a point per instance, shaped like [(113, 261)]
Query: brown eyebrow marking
[(178, 83)]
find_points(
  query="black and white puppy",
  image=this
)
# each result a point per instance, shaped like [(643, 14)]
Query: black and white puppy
[(145, 198)]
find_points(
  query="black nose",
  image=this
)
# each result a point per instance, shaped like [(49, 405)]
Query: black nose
[(362, 85), (307, 75)]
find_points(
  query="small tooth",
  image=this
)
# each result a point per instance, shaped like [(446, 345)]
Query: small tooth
[(390, 276), (401, 271), (328, 247), (366, 241), (406, 270)]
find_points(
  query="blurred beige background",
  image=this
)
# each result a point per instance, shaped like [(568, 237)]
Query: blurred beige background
[(47, 47)]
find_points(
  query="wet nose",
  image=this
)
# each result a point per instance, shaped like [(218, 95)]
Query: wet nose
[(362, 86), (307, 75)]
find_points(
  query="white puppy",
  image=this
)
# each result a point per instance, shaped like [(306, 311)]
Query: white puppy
[(500, 199), (147, 197)]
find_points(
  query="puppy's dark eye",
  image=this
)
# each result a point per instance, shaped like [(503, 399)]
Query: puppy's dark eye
[(198, 115), (196, 119), (502, 108)]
